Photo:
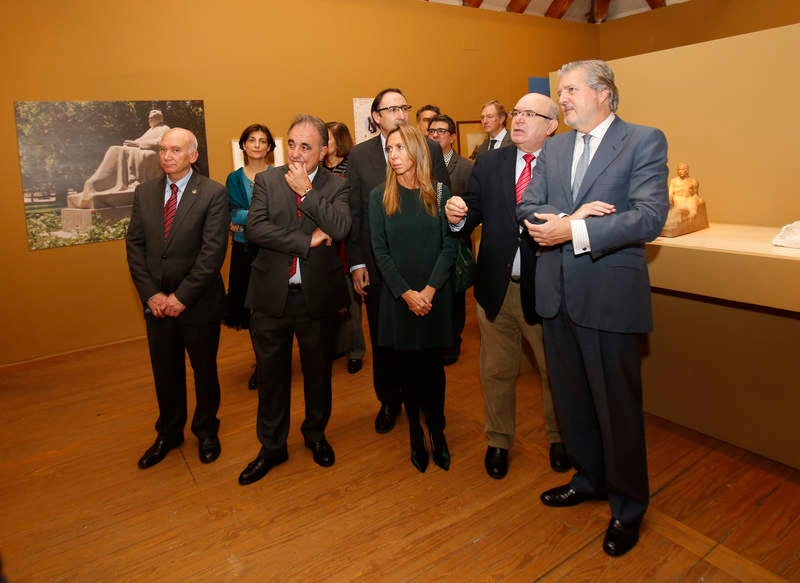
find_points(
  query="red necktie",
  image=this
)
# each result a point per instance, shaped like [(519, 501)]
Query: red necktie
[(524, 177), (293, 268), (169, 209)]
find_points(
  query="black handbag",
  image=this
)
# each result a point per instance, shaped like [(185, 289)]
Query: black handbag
[(463, 273)]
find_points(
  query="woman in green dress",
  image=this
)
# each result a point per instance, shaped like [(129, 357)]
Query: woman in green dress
[(415, 252)]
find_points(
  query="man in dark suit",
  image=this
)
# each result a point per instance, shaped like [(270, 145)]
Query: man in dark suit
[(504, 282), (442, 129), (597, 195), (296, 288), (367, 169), (493, 121), (176, 244)]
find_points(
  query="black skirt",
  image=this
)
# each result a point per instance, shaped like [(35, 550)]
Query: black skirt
[(236, 315)]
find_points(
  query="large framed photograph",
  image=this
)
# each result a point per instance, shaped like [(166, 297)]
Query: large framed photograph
[(470, 136), (82, 160)]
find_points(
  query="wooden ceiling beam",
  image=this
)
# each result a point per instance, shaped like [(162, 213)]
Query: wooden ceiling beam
[(599, 11), (472, 3), (518, 6), (657, 3), (558, 8)]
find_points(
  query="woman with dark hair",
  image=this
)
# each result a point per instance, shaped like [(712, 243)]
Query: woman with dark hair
[(340, 142), (350, 339), (415, 252), (258, 146)]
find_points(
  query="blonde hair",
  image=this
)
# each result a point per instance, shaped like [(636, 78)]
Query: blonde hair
[(417, 148)]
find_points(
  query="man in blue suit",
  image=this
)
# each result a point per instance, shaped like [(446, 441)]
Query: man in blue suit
[(597, 195)]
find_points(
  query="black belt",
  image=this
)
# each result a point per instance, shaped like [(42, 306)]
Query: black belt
[(295, 287), (515, 279)]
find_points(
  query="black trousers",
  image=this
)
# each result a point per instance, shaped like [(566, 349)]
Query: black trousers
[(597, 392), (169, 339), (272, 340), (385, 373)]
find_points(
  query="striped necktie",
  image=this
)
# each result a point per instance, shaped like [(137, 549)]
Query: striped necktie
[(524, 176), (169, 209)]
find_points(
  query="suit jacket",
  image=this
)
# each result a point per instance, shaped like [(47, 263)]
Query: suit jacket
[(492, 200), (609, 288), (484, 145), (188, 263), (367, 169), (273, 225), (459, 169)]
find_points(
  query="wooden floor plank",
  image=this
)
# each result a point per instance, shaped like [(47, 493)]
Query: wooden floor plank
[(74, 506)]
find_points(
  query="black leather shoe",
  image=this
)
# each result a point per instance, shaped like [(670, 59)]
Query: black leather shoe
[(496, 462), (209, 449), (386, 418), (566, 496), (252, 383), (440, 451), (559, 462), (323, 452), (158, 451), (354, 365), (259, 467), (620, 537), (419, 457)]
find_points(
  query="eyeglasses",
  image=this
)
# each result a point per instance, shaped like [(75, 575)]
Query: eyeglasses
[(440, 131), (528, 113), (395, 108)]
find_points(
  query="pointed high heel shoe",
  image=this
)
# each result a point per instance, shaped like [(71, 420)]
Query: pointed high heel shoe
[(419, 457), (441, 453)]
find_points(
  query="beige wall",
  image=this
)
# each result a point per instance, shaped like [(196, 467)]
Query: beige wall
[(720, 104), (266, 61), (250, 61)]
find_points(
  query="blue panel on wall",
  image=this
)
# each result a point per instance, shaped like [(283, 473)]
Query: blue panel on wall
[(539, 85)]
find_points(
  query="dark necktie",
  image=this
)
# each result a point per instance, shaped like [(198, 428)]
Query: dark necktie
[(580, 170), (170, 208), (293, 268), (492, 142), (524, 176)]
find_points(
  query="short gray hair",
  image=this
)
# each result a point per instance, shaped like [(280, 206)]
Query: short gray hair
[(598, 76), (313, 120)]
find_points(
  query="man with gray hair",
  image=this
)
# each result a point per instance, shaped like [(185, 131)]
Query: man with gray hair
[(297, 286), (598, 194), (176, 244), (504, 281)]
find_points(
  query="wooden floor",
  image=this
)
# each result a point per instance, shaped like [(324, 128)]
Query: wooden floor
[(74, 506)]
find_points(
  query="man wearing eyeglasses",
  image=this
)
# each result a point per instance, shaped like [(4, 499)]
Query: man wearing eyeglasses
[(442, 129), (367, 169), (504, 282), (493, 121)]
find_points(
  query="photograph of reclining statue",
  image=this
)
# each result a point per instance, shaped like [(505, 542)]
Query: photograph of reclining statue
[(81, 162)]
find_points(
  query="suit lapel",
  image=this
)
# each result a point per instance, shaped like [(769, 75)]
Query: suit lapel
[(508, 180), (609, 149), (188, 198)]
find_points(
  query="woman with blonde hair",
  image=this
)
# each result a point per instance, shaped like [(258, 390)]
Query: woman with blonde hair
[(415, 252)]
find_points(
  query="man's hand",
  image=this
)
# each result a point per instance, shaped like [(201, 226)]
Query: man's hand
[(554, 231), (158, 304), (360, 280), (416, 302), (595, 208), (455, 209), (174, 307), (318, 237), (297, 178)]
